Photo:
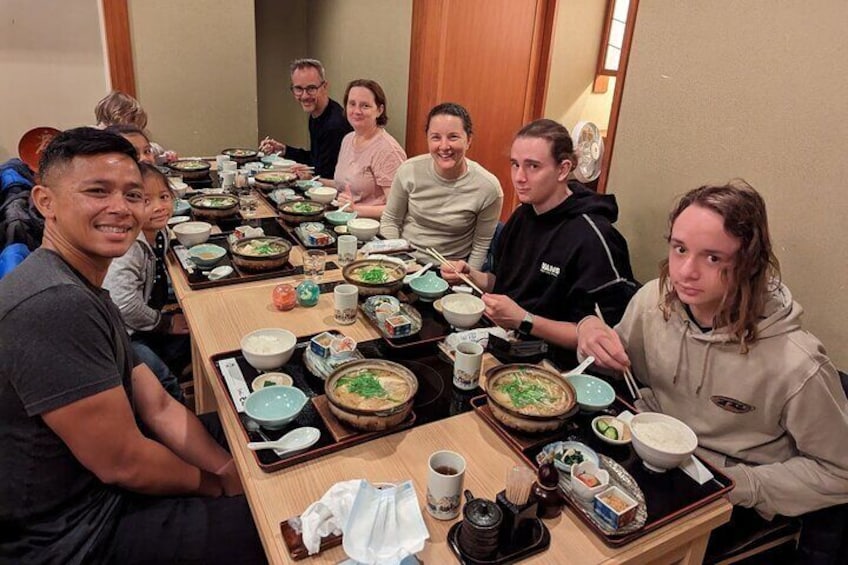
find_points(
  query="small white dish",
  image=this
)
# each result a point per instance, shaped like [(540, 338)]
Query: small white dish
[(271, 379), (178, 220), (579, 475)]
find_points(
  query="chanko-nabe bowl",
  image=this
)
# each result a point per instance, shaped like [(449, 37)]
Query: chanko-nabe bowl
[(213, 206), (299, 211), (243, 256), (352, 274), (364, 416), (533, 417), (663, 442), (190, 169)]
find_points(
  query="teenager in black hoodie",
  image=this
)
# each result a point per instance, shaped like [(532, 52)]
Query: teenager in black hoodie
[(558, 254)]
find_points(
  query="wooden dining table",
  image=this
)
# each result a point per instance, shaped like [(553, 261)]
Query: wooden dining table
[(219, 317)]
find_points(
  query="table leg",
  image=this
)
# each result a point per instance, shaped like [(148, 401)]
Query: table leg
[(204, 397)]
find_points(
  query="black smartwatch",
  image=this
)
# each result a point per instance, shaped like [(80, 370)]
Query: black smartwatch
[(525, 328)]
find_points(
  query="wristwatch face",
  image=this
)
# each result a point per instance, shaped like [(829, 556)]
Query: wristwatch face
[(526, 326)]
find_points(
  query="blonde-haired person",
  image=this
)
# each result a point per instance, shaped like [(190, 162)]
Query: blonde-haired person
[(369, 156), (120, 109), (717, 341)]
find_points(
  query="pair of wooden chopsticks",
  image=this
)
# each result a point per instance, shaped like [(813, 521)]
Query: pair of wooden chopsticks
[(629, 380), (441, 259)]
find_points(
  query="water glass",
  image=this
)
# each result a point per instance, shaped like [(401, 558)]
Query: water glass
[(314, 261)]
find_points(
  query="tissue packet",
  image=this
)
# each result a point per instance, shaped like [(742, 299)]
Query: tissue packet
[(385, 525)]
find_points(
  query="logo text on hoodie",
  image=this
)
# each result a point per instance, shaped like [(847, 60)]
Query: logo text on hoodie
[(732, 405), (548, 269)]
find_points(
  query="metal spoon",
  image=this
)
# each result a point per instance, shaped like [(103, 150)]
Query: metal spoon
[(581, 367), (409, 278), (295, 440)]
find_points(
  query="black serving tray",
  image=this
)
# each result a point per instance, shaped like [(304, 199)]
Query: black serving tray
[(197, 280), (434, 327), (668, 495), (538, 539), (436, 399)]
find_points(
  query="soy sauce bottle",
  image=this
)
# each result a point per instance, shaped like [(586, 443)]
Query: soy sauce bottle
[(546, 491)]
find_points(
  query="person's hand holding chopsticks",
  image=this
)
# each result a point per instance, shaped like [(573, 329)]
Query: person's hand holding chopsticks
[(597, 339), (450, 271)]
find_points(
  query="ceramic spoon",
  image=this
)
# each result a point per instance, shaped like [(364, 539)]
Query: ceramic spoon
[(343, 208), (220, 272), (581, 367), (409, 278), (295, 440)]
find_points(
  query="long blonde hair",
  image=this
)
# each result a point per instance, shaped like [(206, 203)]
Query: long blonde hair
[(755, 266)]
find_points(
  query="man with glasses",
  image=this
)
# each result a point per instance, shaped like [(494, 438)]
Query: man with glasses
[(327, 121)]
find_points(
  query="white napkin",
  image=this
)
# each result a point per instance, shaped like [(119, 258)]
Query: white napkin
[(385, 525), (692, 466), (329, 514), (480, 335), (385, 245)]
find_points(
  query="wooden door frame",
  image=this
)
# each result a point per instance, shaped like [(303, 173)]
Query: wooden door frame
[(609, 142), (116, 23)]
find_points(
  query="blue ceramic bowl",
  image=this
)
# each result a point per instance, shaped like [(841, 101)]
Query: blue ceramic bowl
[(339, 218), (593, 394), (429, 286), (273, 407), (206, 254), (181, 207)]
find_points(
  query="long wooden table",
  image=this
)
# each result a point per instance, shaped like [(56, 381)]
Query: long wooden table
[(218, 319)]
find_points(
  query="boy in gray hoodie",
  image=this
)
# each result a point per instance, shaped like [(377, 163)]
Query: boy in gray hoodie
[(717, 340)]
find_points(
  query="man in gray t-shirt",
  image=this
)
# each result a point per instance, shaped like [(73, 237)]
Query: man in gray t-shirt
[(77, 472)]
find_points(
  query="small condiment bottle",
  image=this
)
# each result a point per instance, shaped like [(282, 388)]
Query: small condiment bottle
[(546, 491)]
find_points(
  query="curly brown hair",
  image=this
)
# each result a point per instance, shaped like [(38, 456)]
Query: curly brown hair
[(755, 268)]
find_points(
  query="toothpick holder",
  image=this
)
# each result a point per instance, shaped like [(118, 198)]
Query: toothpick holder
[(517, 520)]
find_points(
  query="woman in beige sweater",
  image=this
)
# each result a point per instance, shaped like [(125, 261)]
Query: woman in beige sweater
[(445, 200)]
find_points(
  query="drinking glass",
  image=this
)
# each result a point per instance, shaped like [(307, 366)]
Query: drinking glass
[(314, 261)]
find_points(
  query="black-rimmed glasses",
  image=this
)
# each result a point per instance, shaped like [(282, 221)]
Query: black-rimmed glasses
[(310, 89)]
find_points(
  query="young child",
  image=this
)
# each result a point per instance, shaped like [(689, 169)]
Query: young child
[(718, 341), (119, 109), (138, 284)]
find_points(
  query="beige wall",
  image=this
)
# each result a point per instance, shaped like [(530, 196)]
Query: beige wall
[(195, 68), (281, 36), (52, 64), (574, 57), (718, 89), (365, 39)]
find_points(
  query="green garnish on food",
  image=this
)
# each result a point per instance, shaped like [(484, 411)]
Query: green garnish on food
[(303, 207), (365, 384), (571, 456), (374, 275), (611, 433), (264, 249), (523, 393)]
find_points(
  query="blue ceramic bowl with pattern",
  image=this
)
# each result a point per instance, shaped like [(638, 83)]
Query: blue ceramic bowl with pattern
[(206, 254), (429, 286), (339, 218), (273, 407), (593, 394), (181, 207)]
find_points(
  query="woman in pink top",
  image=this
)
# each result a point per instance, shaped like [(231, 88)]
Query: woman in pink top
[(369, 156)]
